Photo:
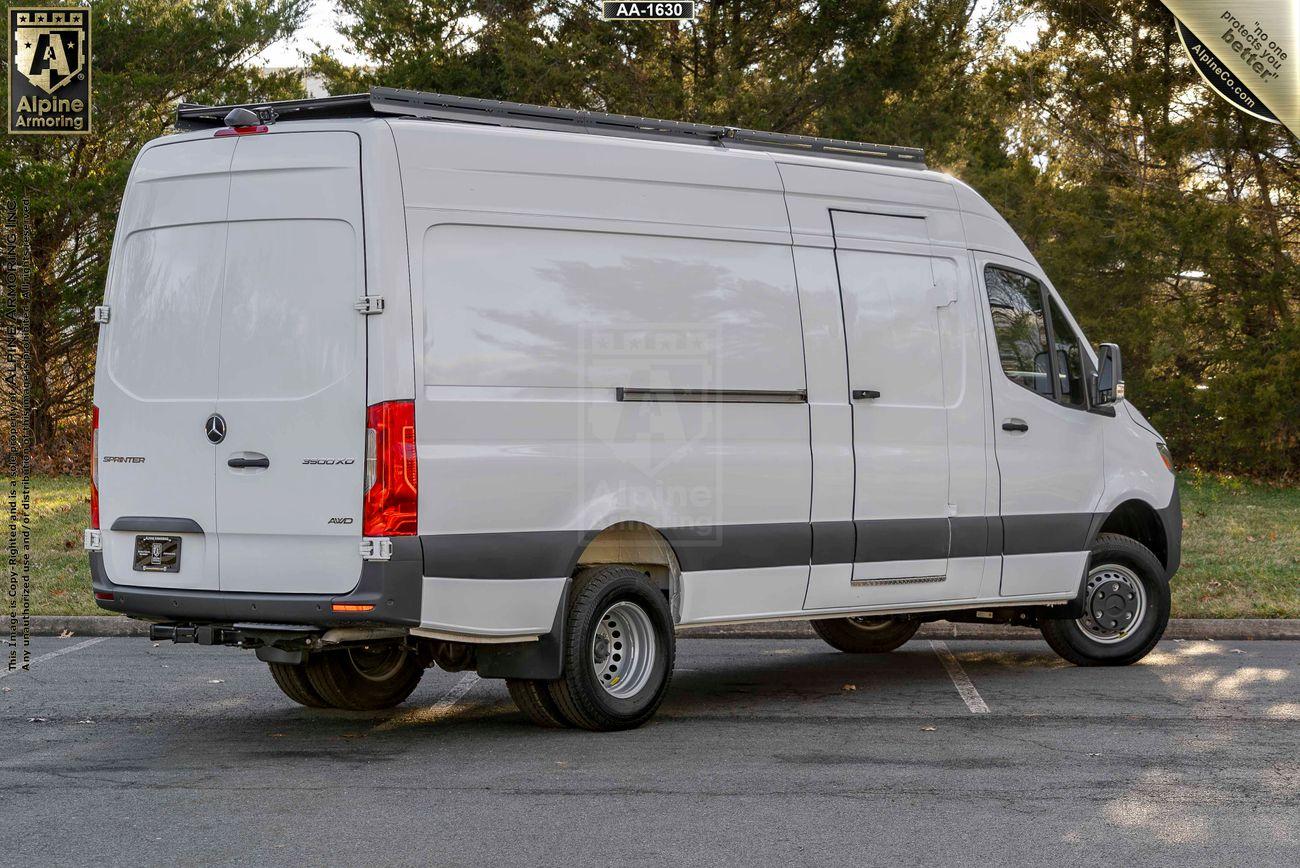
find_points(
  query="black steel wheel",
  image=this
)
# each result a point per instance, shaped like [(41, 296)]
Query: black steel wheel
[(1126, 607)]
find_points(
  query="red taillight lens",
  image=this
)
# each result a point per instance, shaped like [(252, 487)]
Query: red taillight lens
[(392, 482), (94, 468)]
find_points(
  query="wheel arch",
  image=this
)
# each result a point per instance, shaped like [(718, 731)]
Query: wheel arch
[(636, 544), (1137, 520)]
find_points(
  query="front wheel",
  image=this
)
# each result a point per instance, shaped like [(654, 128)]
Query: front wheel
[(618, 651), (865, 635), (1126, 607)]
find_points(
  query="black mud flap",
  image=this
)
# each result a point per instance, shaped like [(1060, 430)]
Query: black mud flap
[(541, 660)]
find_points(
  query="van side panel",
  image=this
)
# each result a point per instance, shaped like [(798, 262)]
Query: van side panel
[(830, 416), (554, 271), (814, 190), (894, 239)]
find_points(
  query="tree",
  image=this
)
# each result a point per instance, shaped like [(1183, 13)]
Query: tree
[(147, 55), (874, 68), (1168, 220)]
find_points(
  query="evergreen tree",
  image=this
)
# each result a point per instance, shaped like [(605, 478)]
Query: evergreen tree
[(877, 69), (147, 55), (1169, 221)]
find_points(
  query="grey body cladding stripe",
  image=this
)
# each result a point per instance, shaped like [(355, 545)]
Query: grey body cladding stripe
[(1050, 532), (551, 554)]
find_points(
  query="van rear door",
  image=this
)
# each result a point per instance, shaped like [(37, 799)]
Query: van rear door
[(291, 377), (157, 366)]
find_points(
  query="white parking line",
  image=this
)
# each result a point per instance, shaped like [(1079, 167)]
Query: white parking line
[(439, 709), (455, 694), (960, 680), (53, 654)]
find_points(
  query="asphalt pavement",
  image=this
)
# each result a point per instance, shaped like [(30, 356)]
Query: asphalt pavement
[(767, 751)]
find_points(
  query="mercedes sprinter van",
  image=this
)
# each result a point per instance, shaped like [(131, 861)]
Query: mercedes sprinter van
[(402, 379)]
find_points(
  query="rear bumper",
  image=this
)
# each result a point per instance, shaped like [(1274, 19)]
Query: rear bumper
[(393, 587)]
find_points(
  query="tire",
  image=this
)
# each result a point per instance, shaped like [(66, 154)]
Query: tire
[(865, 635), (294, 683), (534, 700), (1111, 640), (614, 611), (364, 679)]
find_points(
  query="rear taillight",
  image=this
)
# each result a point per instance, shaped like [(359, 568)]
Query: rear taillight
[(94, 468), (392, 483)]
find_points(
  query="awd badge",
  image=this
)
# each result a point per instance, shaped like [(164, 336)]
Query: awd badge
[(49, 70)]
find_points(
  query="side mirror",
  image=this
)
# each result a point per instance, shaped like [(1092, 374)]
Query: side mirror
[(1110, 374), (1043, 374)]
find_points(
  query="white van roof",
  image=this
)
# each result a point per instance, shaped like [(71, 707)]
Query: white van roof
[(387, 101), (982, 226)]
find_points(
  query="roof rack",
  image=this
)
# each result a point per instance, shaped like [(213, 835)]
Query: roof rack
[(464, 109)]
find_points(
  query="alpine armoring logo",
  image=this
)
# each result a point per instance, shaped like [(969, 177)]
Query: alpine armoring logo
[(49, 70)]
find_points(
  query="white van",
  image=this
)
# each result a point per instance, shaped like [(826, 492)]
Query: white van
[(398, 379)]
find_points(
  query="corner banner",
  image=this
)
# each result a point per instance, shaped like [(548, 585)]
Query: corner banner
[(1248, 51)]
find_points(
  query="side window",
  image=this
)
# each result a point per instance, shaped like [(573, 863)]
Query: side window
[(1017, 305), (1069, 359)]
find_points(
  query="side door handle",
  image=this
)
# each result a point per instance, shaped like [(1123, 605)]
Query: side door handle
[(865, 394), (241, 461), (1015, 425)]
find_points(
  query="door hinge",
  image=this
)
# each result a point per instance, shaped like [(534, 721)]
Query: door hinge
[(101, 314), (369, 304), (376, 548), (93, 540)]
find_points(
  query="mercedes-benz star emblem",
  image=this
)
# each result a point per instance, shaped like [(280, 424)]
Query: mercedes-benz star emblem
[(215, 428)]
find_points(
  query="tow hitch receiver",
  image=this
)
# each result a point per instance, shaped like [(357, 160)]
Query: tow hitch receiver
[(274, 643), (191, 634)]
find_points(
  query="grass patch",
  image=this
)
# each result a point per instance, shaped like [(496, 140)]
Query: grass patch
[(60, 572), (1241, 549)]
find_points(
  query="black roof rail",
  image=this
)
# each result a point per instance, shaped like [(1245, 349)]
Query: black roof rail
[(464, 109)]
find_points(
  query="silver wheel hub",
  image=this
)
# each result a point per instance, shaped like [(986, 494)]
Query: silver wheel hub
[(623, 649), (1115, 602)]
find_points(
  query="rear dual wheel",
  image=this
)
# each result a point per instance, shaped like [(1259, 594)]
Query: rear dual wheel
[(293, 682), (619, 651), (359, 678)]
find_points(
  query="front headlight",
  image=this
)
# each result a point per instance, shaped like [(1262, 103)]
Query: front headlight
[(1166, 456)]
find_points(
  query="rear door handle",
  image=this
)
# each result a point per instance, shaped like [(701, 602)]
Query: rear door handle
[(865, 394), (1015, 425), (241, 462)]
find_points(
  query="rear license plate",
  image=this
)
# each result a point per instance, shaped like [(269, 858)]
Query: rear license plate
[(157, 554)]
